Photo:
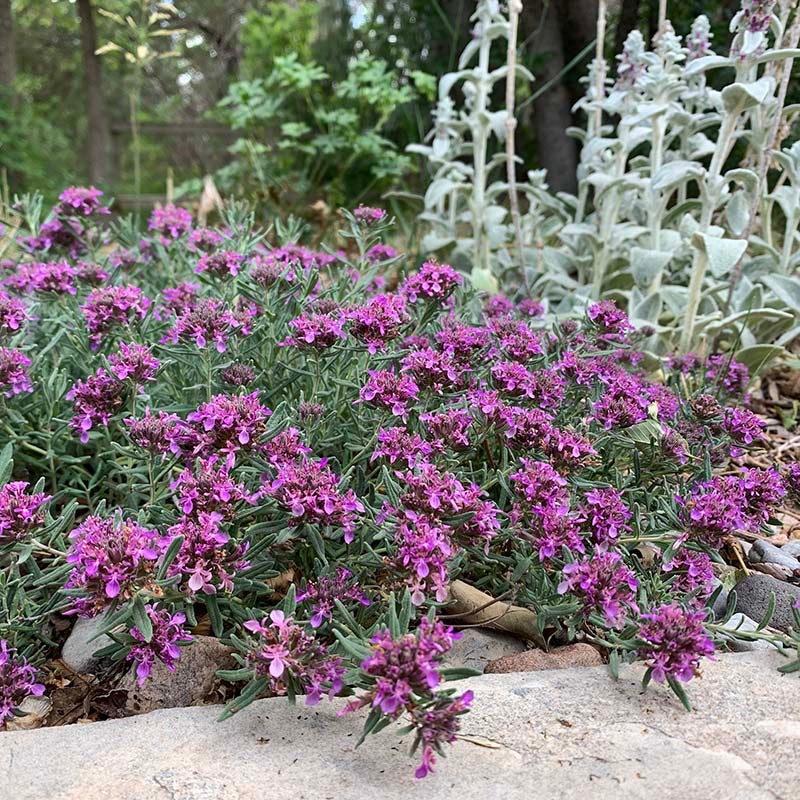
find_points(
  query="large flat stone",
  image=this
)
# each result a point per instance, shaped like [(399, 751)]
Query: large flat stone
[(570, 733)]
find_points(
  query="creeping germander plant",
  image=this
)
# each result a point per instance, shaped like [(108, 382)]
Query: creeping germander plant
[(308, 453)]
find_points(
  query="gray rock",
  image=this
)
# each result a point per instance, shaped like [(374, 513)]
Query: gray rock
[(567, 734), (193, 683), (762, 552), (77, 652), (792, 548), (477, 647), (753, 595), (743, 624)]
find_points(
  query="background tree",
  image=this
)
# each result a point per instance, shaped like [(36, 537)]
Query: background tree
[(98, 135)]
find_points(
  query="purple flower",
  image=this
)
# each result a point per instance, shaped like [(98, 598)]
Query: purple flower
[(541, 488), (159, 434), (792, 479), (181, 298), (20, 512), (674, 642), (378, 321), (438, 372), (310, 491), (517, 340), (57, 277), (164, 645), (227, 424), (208, 558), (368, 215), (405, 667), (14, 372), (223, 263), (208, 487), (170, 221), (397, 444), (742, 425), (134, 362), (432, 282), (13, 314), (112, 305), (207, 321), (438, 724), (238, 375), (315, 331), (606, 515), (286, 654), (525, 429), (449, 428), (95, 401), (463, 342), (322, 593), (379, 253), (602, 583), (17, 681), (728, 373), (111, 558), (203, 239), (690, 571), (390, 391), (80, 200), (612, 323), (91, 274), (424, 547)]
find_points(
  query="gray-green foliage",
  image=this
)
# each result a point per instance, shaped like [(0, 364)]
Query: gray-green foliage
[(677, 216)]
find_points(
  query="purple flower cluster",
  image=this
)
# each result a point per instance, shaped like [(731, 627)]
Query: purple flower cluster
[(315, 331), (112, 305), (223, 263), (21, 512), (205, 322), (603, 583), (163, 645), (719, 507), (157, 433), (674, 642), (438, 724), (14, 372), (209, 487), (378, 321), (310, 491), (17, 681), (284, 652), (170, 221), (325, 590), (404, 668), (56, 277), (111, 558), (390, 391), (13, 314), (368, 215), (208, 558), (134, 362), (227, 424), (432, 282), (80, 200), (95, 400), (690, 572)]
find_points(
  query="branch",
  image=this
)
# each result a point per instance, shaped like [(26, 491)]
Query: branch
[(514, 10)]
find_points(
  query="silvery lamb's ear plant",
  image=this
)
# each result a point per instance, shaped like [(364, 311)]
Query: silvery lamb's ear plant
[(464, 202), (687, 208)]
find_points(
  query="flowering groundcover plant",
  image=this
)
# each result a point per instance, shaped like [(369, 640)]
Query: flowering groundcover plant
[(202, 414)]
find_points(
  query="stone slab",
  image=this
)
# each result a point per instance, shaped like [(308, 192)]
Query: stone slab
[(563, 734)]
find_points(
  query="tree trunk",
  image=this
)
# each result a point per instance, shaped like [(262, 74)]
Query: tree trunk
[(98, 136), (578, 21), (628, 20), (8, 56), (557, 152)]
